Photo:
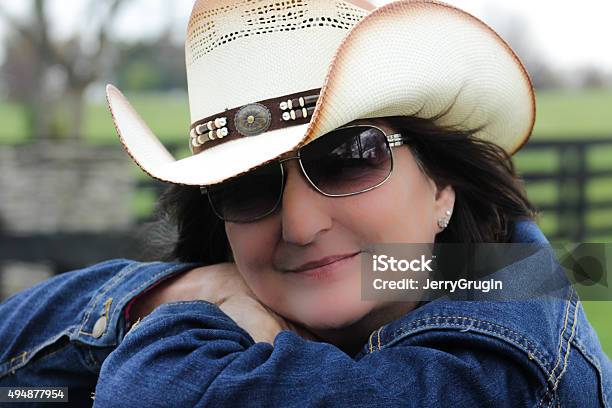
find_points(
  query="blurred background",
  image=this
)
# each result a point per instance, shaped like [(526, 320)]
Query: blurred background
[(70, 196)]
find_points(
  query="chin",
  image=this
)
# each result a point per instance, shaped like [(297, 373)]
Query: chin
[(333, 313)]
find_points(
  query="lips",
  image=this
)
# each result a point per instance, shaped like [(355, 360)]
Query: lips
[(321, 262)]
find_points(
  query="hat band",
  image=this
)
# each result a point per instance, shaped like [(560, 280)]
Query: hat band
[(253, 119)]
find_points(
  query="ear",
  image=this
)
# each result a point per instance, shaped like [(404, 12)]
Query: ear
[(444, 203)]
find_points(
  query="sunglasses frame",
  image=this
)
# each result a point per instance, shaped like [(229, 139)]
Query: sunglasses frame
[(391, 140)]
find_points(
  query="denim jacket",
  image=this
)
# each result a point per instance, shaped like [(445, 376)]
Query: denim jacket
[(69, 331)]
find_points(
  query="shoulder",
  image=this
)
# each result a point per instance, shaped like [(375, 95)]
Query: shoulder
[(548, 339)]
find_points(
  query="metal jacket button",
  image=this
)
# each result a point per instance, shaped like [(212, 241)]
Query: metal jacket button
[(99, 327)]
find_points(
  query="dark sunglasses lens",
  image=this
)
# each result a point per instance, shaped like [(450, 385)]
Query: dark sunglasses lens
[(348, 160), (248, 197)]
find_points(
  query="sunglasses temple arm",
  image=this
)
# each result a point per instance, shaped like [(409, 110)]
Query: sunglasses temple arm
[(397, 139)]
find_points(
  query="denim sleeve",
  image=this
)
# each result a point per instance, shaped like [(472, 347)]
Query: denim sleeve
[(192, 354), (59, 332)]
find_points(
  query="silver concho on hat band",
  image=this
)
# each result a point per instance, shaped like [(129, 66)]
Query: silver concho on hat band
[(253, 119)]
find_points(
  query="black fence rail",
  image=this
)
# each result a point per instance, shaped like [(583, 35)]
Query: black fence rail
[(574, 171), (571, 178), (68, 251)]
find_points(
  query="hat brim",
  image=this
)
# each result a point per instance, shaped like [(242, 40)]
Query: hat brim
[(407, 58), (428, 59), (211, 166)]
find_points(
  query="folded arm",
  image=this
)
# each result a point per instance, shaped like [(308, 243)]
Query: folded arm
[(192, 354)]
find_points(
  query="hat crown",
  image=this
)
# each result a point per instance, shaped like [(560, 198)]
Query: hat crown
[(240, 52), (255, 68)]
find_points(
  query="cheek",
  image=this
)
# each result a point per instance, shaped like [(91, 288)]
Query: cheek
[(399, 211), (253, 247)]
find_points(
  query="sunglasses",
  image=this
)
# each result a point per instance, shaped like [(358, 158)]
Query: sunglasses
[(346, 161)]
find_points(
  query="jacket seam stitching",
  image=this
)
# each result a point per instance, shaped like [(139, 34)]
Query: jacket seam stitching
[(146, 284), (111, 286), (553, 392), (567, 351), (24, 357), (533, 354), (32, 355), (520, 340), (542, 361), (561, 338), (104, 291)]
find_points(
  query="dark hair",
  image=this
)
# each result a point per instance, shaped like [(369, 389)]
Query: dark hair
[(489, 196)]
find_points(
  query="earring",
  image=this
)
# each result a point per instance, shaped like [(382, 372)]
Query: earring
[(443, 222)]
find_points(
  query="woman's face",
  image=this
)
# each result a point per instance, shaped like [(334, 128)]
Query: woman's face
[(310, 227)]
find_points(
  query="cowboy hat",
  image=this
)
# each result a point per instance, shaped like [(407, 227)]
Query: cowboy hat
[(268, 76)]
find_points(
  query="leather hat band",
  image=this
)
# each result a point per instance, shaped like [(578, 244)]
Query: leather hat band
[(253, 119)]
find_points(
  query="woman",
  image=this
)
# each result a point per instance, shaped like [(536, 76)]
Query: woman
[(408, 141)]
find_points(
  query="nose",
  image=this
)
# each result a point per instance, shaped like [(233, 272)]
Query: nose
[(305, 211)]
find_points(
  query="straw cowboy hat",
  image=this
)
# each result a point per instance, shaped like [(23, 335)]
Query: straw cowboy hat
[(268, 76)]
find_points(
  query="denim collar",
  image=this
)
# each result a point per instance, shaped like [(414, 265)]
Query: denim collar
[(527, 231)]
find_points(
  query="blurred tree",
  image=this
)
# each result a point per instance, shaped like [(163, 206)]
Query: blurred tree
[(154, 65), (515, 30), (44, 70), (593, 77)]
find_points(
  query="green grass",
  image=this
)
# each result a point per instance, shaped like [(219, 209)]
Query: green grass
[(599, 314), (14, 126), (143, 202), (167, 116), (560, 115), (566, 114)]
